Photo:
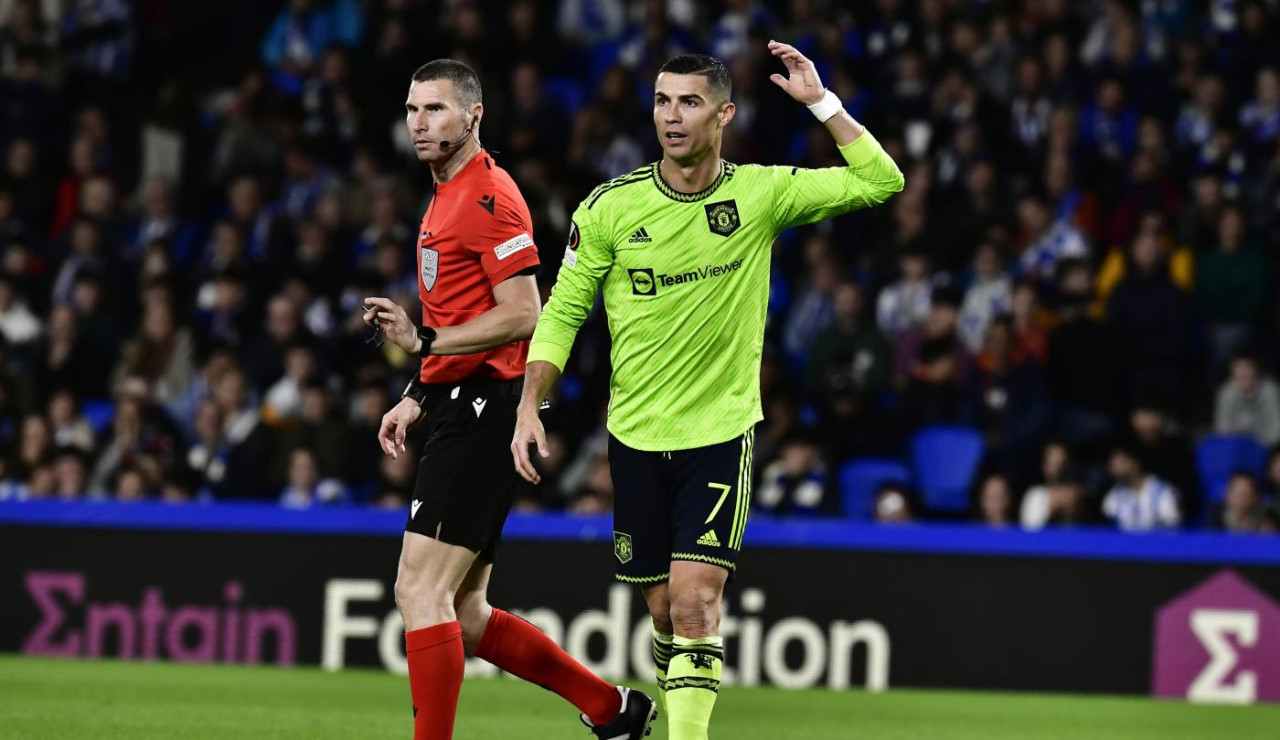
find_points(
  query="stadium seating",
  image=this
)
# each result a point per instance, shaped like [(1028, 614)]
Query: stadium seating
[(944, 460), (859, 480), (99, 413), (1219, 456)]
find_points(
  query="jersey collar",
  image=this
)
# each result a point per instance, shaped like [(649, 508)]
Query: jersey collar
[(472, 164), (726, 172)]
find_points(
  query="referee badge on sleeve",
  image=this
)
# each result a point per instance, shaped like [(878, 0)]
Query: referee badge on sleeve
[(430, 267), (622, 546)]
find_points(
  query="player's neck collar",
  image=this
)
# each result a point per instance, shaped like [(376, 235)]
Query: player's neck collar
[(726, 172), (465, 162)]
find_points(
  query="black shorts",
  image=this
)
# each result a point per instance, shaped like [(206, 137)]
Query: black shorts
[(466, 480), (680, 505)]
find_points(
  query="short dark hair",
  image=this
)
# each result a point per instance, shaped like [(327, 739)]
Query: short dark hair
[(702, 64), (465, 80)]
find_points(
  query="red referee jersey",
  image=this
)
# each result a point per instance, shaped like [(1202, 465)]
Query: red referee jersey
[(476, 233)]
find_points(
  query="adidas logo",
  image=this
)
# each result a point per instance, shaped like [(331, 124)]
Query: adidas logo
[(487, 202), (640, 237), (709, 539)]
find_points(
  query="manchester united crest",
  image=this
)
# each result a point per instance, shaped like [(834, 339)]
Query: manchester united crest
[(430, 267), (622, 546), (722, 217)]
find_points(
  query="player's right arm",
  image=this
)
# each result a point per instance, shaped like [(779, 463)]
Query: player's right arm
[(587, 259)]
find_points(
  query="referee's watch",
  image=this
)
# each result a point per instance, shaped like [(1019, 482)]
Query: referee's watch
[(428, 336)]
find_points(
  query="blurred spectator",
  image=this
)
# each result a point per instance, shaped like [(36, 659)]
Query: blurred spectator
[(395, 481), (1248, 402), (130, 485), (995, 501), (70, 429), (283, 400), (1030, 325), (1045, 241), (893, 505), (1243, 506), (1011, 400), (162, 354), (305, 486), (1038, 503), (989, 295), (35, 445), (1165, 450), (305, 29), (1082, 374), (904, 305), (1139, 501), (594, 493), (849, 366), (796, 482), (1151, 313), (1271, 476), (936, 367), (814, 309), (71, 474), (206, 458), (1232, 283), (17, 323)]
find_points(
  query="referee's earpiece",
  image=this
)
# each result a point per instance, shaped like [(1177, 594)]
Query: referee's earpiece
[(445, 145)]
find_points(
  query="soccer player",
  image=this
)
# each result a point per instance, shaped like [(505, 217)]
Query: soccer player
[(476, 262), (682, 249)]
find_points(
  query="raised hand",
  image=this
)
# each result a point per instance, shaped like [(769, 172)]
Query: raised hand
[(802, 82)]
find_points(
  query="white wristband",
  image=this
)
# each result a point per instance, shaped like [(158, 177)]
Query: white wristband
[(827, 107)]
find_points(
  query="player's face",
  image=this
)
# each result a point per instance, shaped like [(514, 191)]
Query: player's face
[(436, 119), (688, 116)]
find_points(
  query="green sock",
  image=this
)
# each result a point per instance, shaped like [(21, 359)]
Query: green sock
[(662, 656), (693, 681)]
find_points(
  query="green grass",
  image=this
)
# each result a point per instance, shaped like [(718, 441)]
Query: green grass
[(52, 699)]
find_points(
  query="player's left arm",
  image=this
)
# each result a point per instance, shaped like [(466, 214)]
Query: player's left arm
[(870, 176)]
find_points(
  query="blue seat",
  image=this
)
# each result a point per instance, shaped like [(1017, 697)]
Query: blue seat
[(566, 92), (945, 460), (1218, 456), (99, 412), (859, 480)]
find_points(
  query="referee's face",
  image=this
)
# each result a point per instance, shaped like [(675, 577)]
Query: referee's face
[(688, 116), (436, 119)]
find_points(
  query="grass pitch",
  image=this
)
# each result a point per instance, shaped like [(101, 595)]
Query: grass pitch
[(109, 700)]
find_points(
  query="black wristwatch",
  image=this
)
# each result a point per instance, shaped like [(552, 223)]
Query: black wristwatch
[(417, 390), (428, 336)]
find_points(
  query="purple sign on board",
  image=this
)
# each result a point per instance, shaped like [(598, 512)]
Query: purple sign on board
[(1218, 642)]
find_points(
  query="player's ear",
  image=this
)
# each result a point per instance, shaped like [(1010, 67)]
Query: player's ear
[(477, 113), (727, 111)]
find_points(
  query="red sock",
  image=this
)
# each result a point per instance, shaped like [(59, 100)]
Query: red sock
[(521, 649), (435, 678)]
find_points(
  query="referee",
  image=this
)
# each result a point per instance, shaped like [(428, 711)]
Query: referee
[(476, 263), (680, 250)]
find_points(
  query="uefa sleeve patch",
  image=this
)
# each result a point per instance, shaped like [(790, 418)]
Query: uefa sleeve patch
[(513, 245)]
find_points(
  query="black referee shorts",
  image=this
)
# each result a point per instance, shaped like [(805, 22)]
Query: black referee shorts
[(466, 480), (680, 505)]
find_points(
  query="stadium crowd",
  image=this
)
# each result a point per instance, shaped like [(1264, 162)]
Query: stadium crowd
[(195, 200)]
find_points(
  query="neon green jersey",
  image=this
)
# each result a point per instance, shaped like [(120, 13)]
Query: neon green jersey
[(686, 287)]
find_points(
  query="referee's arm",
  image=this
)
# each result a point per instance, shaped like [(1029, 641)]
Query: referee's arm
[(511, 320)]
